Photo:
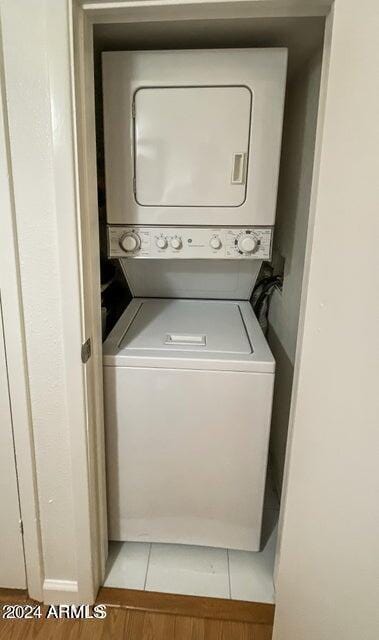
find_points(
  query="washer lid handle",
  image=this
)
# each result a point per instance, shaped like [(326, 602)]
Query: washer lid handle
[(186, 339)]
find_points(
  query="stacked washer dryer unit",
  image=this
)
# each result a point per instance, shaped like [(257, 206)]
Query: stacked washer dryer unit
[(192, 147)]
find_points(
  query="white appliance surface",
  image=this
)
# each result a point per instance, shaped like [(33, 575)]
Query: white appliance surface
[(189, 333), (192, 137), (190, 146), (190, 262), (187, 429), (209, 279), (187, 243), (185, 325)]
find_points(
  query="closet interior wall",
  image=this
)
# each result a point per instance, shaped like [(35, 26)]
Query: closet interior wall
[(294, 191)]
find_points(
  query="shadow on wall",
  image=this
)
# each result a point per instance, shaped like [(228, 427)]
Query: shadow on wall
[(280, 410), (294, 192)]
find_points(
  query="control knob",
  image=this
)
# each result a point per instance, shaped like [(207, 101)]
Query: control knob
[(215, 242), (247, 243), (130, 242), (161, 242), (176, 243)]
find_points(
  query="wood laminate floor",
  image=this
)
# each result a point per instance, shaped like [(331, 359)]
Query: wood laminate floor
[(131, 624), (134, 625)]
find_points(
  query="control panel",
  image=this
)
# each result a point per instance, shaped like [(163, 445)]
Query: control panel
[(249, 243)]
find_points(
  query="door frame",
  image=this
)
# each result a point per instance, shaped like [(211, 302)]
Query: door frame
[(17, 366), (76, 203), (84, 15)]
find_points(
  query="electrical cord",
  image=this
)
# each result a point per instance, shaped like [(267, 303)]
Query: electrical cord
[(261, 298)]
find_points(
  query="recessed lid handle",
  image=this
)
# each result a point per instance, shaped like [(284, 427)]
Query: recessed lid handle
[(197, 340)]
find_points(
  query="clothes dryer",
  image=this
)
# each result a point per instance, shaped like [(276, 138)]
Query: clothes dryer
[(192, 137), (192, 151)]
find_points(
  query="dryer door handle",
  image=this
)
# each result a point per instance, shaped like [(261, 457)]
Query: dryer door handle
[(239, 168)]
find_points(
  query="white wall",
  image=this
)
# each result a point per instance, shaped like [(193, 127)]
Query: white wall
[(29, 111), (17, 375), (291, 227), (37, 47), (12, 567), (327, 583)]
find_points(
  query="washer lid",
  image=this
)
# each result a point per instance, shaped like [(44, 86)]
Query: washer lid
[(187, 325)]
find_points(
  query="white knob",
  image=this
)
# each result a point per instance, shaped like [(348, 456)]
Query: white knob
[(215, 242), (176, 243), (247, 243), (130, 242), (161, 242)]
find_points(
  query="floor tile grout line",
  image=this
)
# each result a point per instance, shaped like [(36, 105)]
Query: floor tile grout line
[(229, 579), (236, 572), (147, 566)]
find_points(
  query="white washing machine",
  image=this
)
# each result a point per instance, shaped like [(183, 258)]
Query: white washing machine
[(192, 148), (188, 392)]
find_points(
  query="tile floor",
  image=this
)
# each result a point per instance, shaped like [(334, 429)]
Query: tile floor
[(203, 571)]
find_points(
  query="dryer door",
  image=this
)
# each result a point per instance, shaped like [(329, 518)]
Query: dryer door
[(191, 145)]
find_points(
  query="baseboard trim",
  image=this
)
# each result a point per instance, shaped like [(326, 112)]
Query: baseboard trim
[(193, 606), (70, 586), (59, 591)]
